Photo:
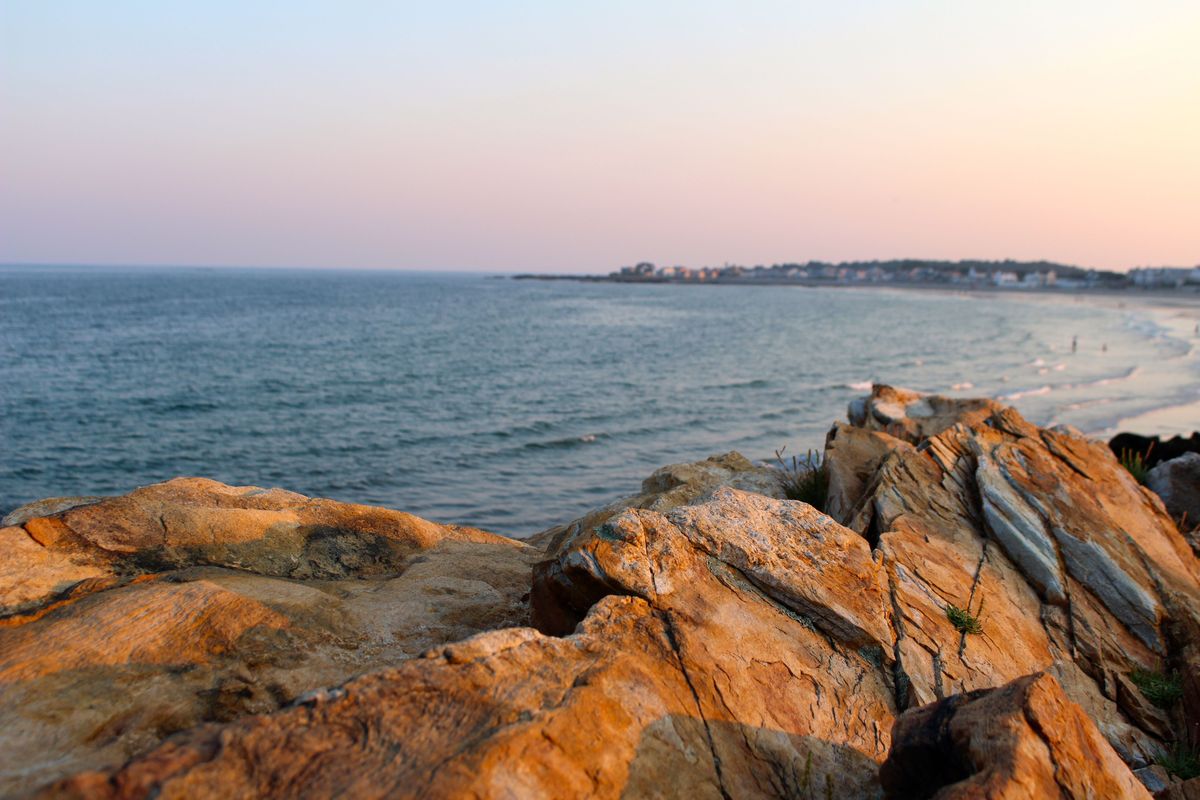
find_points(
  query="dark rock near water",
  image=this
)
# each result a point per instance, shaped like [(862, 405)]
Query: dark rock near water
[(1022, 740), (1153, 449), (1177, 482)]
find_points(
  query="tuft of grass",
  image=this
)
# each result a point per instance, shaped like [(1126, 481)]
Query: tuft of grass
[(1135, 463), (805, 479), (1181, 760), (1162, 689), (964, 621)]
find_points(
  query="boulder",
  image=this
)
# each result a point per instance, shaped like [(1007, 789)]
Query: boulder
[(134, 617), (1177, 482), (670, 487), (1022, 740), (914, 416), (733, 648), (1063, 561)]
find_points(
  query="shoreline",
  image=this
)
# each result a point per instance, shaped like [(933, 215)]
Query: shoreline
[(1175, 311), (1185, 295)]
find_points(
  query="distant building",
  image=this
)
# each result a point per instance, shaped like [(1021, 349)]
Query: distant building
[(1164, 277)]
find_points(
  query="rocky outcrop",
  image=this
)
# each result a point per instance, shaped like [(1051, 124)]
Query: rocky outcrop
[(1066, 562), (1022, 740), (133, 617), (705, 637)]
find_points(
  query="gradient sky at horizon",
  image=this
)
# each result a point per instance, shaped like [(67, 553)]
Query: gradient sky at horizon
[(581, 136)]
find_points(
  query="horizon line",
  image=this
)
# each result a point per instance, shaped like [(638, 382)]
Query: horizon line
[(538, 271)]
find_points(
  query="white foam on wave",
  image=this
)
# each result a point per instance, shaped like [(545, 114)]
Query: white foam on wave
[(861, 386), (1111, 379), (959, 387), (1103, 401), (1038, 362), (1026, 393)]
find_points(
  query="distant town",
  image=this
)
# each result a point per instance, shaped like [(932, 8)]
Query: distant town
[(964, 274)]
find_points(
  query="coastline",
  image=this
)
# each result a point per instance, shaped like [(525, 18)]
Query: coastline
[(1175, 312)]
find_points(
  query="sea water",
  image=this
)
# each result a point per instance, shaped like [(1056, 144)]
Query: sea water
[(508, 405)]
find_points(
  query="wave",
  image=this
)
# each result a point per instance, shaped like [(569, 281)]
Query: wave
[(962, 387), (757, 383), (860, 386), (1102, 401), (1107, 380), (1026, 393), (566, 442)]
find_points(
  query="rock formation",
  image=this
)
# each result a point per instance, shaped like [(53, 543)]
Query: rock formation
[(126, 619), (1177, 482), (1022, 740), (704, 638)]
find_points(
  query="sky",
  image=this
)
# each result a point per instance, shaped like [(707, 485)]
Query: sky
[(580, 136)]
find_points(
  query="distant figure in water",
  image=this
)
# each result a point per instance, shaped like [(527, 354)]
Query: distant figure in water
[(1104, 347), (1074, 343)]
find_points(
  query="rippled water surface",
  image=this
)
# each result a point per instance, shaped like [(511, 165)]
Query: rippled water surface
[(511, 405)]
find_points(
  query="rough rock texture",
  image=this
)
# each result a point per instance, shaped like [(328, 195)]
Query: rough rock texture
[(670, 487), (1183, 790), (914, 416), (130, 618), (704, 638), (1022, 740), (1068, 563), (707, 664), (1177, 482)]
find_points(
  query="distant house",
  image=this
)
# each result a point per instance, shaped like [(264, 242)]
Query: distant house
[(1164, 277)]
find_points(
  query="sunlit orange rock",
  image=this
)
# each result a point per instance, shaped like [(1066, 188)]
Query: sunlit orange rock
[(1022, 741), (703, 638)]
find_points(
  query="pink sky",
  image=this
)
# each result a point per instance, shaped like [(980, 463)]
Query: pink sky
[(542, 138)]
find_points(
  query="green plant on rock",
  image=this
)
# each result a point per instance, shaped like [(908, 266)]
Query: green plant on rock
[(1162, 689), (1135, 463), (1181, 760), (963, 620), (805, 479)]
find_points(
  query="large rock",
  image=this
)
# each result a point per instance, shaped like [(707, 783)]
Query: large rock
[(1067, 563), (134, 617), (914, 416), (670, 487), (1022, 740), (1177, 482), (735, 648), (704, 637)]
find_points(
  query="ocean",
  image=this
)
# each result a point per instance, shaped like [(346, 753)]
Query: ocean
[(510, 405)]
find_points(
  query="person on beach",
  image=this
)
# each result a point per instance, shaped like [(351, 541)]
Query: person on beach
[(1074, 343)]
